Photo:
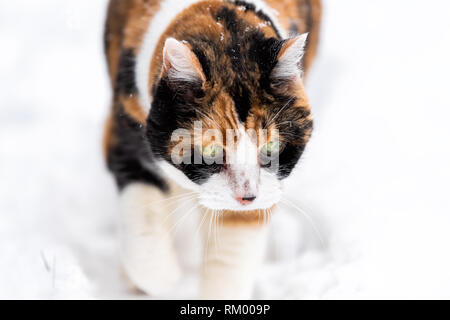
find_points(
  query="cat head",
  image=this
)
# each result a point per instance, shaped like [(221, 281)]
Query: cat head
[(231, 121)]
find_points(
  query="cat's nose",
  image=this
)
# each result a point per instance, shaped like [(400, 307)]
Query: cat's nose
[(247, 199)]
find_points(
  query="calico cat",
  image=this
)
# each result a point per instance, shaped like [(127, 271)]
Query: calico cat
[(181, 69)]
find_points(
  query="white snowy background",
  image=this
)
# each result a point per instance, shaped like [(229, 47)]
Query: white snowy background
[(374, 183)]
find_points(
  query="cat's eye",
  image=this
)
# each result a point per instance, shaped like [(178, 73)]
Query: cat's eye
[(212, 151), (271, 148)]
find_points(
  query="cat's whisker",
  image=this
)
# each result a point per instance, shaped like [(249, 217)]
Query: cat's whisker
[(289, 135), (205, 249), (208, 117), (216, 220), (208, 212), (201, 224), (183, 202), (284, 122), (162, 223), (182, 219), (309, 219), (205, 215), (266, 216), (278, 113), (167, 200)]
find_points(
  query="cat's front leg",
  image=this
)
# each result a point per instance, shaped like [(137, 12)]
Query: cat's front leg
[(146, 247), (234, 252)]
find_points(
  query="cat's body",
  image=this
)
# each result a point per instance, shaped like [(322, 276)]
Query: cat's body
[(225, 65)]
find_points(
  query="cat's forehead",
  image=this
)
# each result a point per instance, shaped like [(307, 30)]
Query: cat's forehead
[(252, 106), (223, 111)]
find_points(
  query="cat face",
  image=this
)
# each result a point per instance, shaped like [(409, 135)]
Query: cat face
[(231, 122)]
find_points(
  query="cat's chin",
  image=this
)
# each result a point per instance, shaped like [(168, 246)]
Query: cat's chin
[(210, 205), (243, 210)]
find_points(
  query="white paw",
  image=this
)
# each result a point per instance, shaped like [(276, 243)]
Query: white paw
[(155, 277)]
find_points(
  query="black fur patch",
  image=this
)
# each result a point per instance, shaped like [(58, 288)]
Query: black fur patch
[(203, 61), (127, 157), (126, 81), (265, 52), (241, 97)]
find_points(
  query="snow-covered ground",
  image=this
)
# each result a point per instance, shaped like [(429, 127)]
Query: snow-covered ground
[(374, 183)]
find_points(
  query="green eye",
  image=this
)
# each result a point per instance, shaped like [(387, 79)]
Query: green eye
[(211, 151), (271, 148)]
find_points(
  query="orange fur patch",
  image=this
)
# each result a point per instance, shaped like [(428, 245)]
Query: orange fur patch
[(137, 22), (306, 16), (255, 217), (133, 108), (108, 136)]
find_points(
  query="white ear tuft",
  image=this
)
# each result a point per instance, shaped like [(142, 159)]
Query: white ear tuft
[(289, 58), (180, 63)]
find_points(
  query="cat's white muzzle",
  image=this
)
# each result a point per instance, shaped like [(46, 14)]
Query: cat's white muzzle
[(219, 194)]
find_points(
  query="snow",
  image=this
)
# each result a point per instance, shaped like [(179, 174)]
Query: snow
[(373, 184)]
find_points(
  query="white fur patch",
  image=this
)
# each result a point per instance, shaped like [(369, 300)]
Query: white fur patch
[(246, 151), (216, 194), (146, 248), (231, 265), (244, 165), (177, 176)]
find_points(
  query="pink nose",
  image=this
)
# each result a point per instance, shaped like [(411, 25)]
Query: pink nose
[(246, 199)]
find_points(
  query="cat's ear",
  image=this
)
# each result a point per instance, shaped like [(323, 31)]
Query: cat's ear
[(288, 66), (180, 64)]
